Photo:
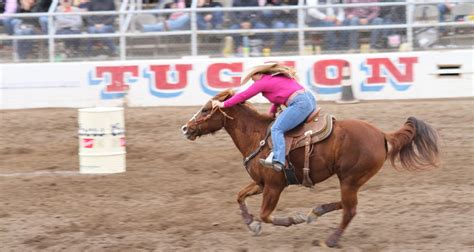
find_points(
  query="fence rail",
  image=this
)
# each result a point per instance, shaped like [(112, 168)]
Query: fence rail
[(128, 37)]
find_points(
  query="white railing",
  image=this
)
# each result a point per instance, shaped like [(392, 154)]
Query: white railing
[(129, 8)]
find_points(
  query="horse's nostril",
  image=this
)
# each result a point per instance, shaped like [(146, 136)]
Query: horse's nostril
[(184, 129)]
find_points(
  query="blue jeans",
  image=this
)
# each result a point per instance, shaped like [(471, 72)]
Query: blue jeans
[(43, 21), (330, 39), (216, 21), (280, 38), (353, 36), (443, 10), (7, 23), (181, 23), (238, 38), (24, 47), (75, 42), (297, 111), (109, 42)]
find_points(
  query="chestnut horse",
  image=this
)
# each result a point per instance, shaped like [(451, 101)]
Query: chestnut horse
[(355, 151)]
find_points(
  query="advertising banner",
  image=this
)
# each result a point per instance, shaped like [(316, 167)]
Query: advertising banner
[(192, 81)]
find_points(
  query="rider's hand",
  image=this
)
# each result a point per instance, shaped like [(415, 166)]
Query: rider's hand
[(217, 104)]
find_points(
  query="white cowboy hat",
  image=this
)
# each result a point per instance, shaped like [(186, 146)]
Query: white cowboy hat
[(248, 73)]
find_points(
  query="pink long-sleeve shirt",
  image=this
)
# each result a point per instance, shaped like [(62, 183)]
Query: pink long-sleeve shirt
[(277, 89), (10, 7)]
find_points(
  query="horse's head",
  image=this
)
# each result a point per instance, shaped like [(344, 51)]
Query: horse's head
[(207, 119)]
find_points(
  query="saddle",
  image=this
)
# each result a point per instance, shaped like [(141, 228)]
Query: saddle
[(316, 128)]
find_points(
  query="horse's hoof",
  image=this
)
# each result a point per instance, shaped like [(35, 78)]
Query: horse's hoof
[(332, 243), (255, 227), (319, 243), (323, 244), (299, 218), (311, 217)]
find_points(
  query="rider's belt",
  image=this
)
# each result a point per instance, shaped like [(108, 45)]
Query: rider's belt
[(292, 96)]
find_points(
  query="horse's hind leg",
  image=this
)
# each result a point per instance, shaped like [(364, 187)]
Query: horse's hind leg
[(249, 190), (322, 209), (269, 202), (349, 205)]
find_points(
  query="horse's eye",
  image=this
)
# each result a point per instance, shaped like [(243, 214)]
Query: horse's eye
[(205, 110)]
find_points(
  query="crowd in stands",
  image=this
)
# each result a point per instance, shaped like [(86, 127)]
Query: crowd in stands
[(180, 19), (63, 24)]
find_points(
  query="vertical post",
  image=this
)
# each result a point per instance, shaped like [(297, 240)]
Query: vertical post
[(139, 4), (122, 39), (194, 48), (123, 27), (16, 58), (50, 37), (52, 8), (301, 15), (410, 9)]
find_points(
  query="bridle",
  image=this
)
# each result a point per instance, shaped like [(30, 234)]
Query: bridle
[(197, 122)]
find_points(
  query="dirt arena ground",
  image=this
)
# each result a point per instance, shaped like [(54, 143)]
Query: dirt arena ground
[(179, 195)]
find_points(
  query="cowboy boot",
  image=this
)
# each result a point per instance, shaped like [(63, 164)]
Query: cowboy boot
[(267, 162)]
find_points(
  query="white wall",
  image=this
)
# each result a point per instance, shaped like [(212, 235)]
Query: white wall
[(194, 81)]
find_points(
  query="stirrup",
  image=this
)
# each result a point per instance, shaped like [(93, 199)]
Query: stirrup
[(277, 166)]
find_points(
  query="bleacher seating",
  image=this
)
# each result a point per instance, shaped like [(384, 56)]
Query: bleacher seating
[(140, 45)]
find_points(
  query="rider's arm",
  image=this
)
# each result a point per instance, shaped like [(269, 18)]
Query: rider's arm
[(250, 92)]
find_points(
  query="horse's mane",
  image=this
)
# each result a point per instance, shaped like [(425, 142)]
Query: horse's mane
[(248, 108)]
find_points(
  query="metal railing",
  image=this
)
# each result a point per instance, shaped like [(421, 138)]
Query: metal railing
[(130, 9)]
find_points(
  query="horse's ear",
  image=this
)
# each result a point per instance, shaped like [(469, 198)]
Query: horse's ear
[(224, 95)]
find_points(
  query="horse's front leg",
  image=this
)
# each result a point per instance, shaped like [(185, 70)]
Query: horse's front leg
[(322, 209), (249, 190), (270, 199)]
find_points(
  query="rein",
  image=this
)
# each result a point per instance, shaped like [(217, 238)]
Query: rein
[(201, 120), (260, 147)]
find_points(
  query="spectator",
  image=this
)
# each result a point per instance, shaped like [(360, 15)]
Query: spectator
[(8, 7), (68, 24), (280, 19), (210, 20), (43, 6), (246, 20), (361, 16), (445, 9), (178, 20), (24, 26), (76, 3), (393, 15), (82, 4), (327, 17), (101, 24), (28, 26)]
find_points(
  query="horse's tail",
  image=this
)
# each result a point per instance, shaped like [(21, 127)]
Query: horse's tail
[(415, 145)]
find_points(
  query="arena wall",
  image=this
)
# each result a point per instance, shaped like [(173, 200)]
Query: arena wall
[(192, 81)]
